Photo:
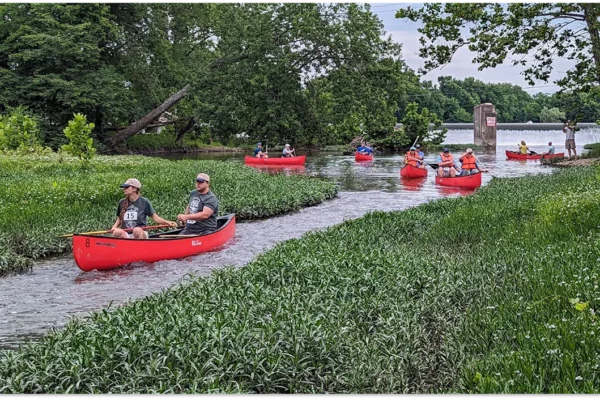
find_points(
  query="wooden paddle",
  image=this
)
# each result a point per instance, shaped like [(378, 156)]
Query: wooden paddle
[(67, 235)]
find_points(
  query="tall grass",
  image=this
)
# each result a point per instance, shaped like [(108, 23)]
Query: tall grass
[(43, 197), (495, 292)]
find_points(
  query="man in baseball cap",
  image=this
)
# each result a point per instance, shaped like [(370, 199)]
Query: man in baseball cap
[(469, 164), (200, 215), (287, 152)]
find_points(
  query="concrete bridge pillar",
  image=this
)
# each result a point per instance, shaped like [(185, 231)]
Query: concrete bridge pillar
[(484, 133)]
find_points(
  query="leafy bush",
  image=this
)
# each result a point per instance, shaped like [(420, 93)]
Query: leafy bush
[(80, 143), (19, 131)]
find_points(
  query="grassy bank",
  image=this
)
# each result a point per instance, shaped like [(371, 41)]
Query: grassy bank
[(44, 198), (495, 292)]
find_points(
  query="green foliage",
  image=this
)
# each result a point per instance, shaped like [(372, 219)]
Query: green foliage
[(80, 144), (508, 307), (61, 198), (497, 32), (417, 124), (551, 115), (19, 131)]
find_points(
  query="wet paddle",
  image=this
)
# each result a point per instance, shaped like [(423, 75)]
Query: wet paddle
[(68, 235)]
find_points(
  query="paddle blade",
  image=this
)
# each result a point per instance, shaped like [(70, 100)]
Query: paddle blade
[(434, 166)]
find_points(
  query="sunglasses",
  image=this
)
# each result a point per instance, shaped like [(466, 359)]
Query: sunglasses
[(125, 186), (200, 180)]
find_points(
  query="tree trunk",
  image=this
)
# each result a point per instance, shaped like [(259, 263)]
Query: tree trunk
[(137, 126), (591, 14), (182, 132)]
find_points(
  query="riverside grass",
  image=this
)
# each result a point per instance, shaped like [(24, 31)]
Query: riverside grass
[(43, 197), (492, 293)]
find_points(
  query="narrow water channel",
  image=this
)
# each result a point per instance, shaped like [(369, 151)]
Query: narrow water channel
[(56, 289)]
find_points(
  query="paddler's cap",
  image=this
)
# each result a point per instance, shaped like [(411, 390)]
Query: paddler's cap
[(287, 145), (469, 150), (412, 148), (418, 146), (259, 144), (446, 150), (202, 178), (132, 182)]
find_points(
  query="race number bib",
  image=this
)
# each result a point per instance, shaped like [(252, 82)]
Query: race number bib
[(131, 216)]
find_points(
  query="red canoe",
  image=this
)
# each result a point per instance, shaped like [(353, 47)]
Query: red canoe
[(408, 171), (363, 157), (102, 252), (300, 160), (517, 156), (468, 181)]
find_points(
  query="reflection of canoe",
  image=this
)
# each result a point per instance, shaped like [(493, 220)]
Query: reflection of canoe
[(300, 160), (275, 169), (468, 181), (412, 184), (517, 156), (101, 252), (363, 157), (408, 171)]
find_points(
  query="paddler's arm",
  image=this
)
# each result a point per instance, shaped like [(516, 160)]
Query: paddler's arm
[(199, 216), (116, 224), (162, 221)]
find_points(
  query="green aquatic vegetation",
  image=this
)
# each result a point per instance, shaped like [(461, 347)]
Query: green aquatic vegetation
[(45, 196), (473, 294)]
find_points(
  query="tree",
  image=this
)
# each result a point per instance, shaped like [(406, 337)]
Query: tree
[(497, 32), (417, 125), (551, 115)]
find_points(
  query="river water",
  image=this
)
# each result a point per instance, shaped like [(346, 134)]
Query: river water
[(56, 290)]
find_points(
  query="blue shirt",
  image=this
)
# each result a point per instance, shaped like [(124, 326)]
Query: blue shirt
[(551, 150), (361, 148), (369, 150), (256, 151), (421, 154)]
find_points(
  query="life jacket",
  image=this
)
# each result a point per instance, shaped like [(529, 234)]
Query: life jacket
[(469, 162), (411, 157), (446, 158)]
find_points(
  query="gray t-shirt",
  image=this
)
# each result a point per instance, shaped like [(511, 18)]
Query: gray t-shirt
[(197, 203), (570, 132), (137, 212)]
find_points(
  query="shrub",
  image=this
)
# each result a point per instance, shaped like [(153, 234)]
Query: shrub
[(80, 144), (19, 131)]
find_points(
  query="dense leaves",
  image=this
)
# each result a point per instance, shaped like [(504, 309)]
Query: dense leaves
[(45, 196), (495, 292)]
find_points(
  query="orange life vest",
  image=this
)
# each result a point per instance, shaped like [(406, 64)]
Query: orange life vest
[(411, 157), (446, 158), (468, 162)]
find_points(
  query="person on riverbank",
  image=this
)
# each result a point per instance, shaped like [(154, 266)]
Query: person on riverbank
[(550, 150), (412, 158), (200, 215), (132, 212), (469, 164), (287, 152), (446, 164), (569, 130)]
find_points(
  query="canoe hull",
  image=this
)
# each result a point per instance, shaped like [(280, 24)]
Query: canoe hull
[(467, 182), (410, 172), (102, 253), (516, 156), (300, 160), (362, 157)]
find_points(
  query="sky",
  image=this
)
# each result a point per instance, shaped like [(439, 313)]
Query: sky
[(405, 32)]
